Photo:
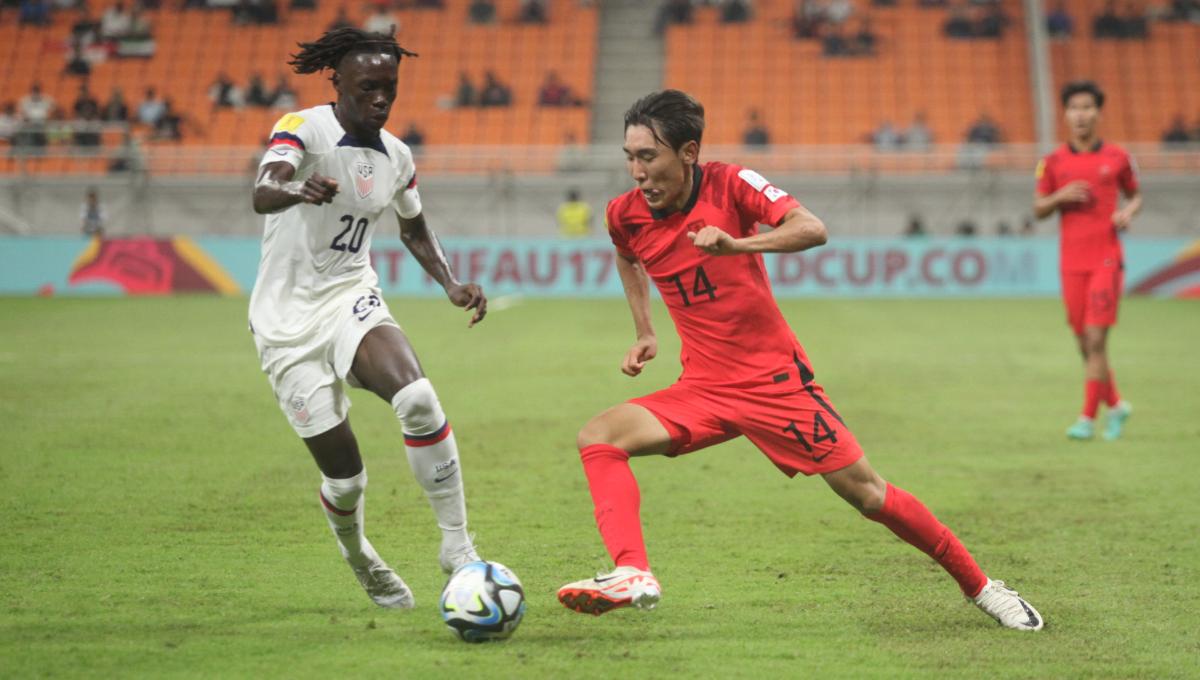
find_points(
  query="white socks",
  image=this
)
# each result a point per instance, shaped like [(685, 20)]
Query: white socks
[(433, 457), (342, 500)]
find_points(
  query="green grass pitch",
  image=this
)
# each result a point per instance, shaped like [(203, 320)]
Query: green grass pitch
[(160, 519)]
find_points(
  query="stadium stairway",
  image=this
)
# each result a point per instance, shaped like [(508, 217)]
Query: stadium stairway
[(629, 64)]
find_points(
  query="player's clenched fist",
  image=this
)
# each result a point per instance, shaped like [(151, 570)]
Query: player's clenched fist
[(642, 351), (714, 241), (319, 189)]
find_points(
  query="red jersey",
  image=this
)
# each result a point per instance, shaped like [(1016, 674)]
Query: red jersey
[(730, 326), (1087, 238)]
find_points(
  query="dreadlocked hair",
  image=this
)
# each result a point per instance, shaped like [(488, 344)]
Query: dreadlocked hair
[(328, 51)]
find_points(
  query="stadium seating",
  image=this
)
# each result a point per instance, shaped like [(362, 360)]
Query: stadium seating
[(195, 45), (1149, 81), (806, 98)]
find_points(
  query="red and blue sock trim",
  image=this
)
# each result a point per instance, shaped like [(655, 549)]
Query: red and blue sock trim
[(430, 439)]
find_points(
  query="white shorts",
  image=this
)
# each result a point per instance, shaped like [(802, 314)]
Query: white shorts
[(309, 378)]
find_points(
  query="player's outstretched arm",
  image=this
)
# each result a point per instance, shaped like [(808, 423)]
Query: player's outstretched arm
[(275, 189), (424, 245), (637, 293), (799, 230)]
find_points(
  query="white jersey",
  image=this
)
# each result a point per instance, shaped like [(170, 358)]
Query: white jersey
[(312, 255)]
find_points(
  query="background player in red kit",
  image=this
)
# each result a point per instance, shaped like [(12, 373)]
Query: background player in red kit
[(1081, 180), (693, 228)]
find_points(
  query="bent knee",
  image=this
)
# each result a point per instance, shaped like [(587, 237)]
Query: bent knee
[(596, 431), (418, 407)]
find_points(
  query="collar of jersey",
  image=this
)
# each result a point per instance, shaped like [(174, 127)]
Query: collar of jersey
[(1095, 147), (697, 176), (350, 140)]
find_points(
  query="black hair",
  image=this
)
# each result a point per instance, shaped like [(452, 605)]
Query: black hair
[(674, 115), (328, 51), (1080, 87)]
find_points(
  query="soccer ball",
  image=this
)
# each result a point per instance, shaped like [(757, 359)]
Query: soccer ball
[(482, 601)]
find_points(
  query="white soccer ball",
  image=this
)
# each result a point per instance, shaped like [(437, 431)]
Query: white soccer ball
[(483, 601)]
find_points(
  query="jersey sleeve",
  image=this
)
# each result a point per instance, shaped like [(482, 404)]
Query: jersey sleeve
[(408, 200), (288, 141), (1044, 175), (757, 199), (1128, 177), (616, 232)]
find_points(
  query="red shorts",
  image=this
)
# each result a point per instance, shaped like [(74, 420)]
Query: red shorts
[(794, 425), (1092, 297)]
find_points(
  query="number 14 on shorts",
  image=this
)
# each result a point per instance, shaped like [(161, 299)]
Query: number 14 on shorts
[(821, 432)]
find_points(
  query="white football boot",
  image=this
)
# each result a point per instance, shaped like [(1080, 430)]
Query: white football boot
[(620, 587), (384, 586), (452, 557), (1003, 604)]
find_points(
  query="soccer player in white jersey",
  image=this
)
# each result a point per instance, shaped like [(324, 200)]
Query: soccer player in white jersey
[(329, 175)]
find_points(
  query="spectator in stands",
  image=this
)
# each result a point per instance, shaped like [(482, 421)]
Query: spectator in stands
[(35, 12), (735, 12), (170, 124), (115, 22), (86, 28), (834, 43), (556, 93), (808, 16), (959, 24), (482, 12), (256, 91), (303, 4), (139, 25), (9, 122), (35, 106), (85, 104), (430, 4), (1177, 133), (756, 133), (672, 12), (915, 227), (465, 96), (863, 42), (1058, 23), (340, 20), (77, 63), (283, 96), (151, 110), (86, 128), (115, 111), (993, 22), (574, 216), (1107, 24), (838, 12), (381, 21), (983, 131), (1027, 228), (413, 136), (1135, 25), (58, 130), (1003, 230), (918, 136), (495, 93), (966, 228), (886, 138), (224, 93), (532, 12), (92, 215)]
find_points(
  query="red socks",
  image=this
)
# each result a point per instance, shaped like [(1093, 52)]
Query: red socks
[(909, 519), (618, 502), (1093, 391), (1111, 397)]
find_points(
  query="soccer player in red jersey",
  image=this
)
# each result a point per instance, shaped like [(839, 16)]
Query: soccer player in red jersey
[(1081, 180), (693, 228)]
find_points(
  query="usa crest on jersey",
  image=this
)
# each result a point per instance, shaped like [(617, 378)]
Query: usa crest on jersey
[(364, 178)]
